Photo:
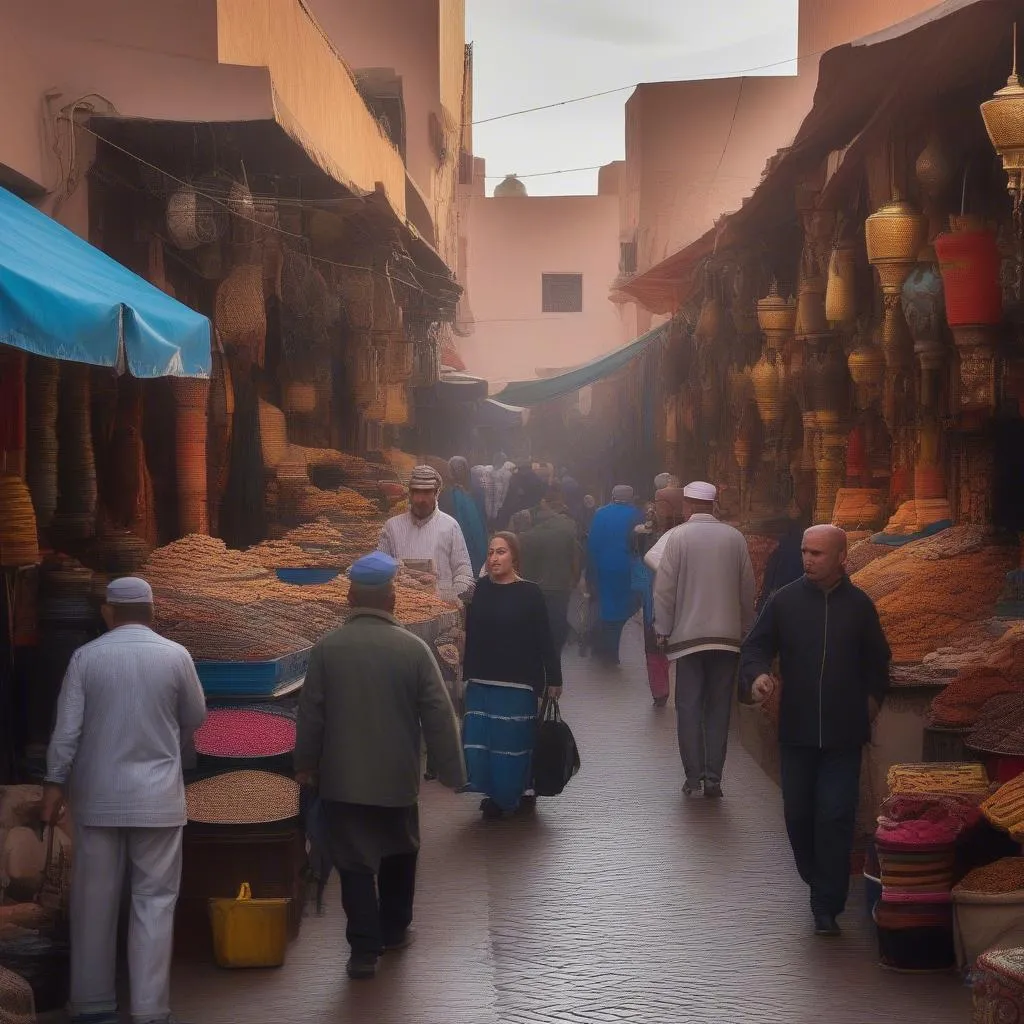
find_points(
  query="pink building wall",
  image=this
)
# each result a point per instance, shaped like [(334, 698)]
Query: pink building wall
[(511, 242), (696, 150)]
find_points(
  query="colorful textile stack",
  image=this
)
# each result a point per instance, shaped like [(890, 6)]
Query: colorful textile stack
[(930, 808)]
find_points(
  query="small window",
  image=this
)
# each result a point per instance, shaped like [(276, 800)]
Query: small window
[(561, 293), (627, 257)]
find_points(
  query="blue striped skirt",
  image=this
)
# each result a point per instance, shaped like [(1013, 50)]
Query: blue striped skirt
[(498, 732)]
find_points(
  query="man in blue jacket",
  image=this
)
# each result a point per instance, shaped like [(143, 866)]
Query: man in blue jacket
[(834, 664)]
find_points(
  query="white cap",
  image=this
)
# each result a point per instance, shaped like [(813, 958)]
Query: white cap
[(129, 590), (700, 491)]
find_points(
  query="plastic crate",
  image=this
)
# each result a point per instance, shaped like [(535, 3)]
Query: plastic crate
[(251, 678)]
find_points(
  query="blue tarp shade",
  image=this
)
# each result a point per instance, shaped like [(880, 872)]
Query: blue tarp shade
[(533, 392), (495, 414), (64, 298)]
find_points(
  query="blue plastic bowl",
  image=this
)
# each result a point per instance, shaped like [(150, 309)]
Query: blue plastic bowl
[(307, 577)]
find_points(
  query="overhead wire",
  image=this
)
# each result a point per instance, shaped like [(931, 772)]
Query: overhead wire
[(625, 88), (253, 220)]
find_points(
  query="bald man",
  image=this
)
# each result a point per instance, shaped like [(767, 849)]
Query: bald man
[(834, 667)]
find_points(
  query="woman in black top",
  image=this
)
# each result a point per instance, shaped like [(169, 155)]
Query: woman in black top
[(508, 634)]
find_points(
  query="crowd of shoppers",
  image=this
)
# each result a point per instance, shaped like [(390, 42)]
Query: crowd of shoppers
[(374, 696)]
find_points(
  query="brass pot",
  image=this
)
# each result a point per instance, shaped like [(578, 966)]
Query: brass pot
[(841, 287), (895, 233)]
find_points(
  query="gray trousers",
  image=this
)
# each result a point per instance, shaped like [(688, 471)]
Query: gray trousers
[(704, 688), (101, 856)]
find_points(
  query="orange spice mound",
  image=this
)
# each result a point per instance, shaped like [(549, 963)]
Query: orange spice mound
[(927, 590), (1002, 671)]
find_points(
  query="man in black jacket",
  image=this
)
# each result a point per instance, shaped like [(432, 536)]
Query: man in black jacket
[(834, 664)]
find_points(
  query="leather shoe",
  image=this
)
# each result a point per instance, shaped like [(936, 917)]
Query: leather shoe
[(826, 926), (361, 966)]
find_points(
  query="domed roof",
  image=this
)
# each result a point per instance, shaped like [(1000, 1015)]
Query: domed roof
[(511, 186)]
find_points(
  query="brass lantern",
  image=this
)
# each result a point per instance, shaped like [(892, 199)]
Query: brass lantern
[(776, 316), (1004, 121)]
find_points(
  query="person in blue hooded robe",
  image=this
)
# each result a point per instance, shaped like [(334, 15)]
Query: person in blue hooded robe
[(609, 550)]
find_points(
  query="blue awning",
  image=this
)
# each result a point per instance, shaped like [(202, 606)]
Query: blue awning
[(533, 392), (64, 298), (490, 413)]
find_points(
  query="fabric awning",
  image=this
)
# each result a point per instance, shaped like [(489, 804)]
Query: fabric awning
[(496, 414), (64, 298), (533, 392)]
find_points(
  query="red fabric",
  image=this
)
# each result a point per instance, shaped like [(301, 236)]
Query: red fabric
[(1004, 768)]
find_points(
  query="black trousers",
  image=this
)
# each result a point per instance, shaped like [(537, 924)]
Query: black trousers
[(820, 795), (557, 603), (379, 908)]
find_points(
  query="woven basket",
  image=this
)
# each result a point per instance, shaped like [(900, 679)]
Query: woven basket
[(426, 364), (364, 360), (841, 287), (191, 428), (387, 313), (766, 377), (273, 434), (241, 316), (357, 290), (396, 406), (400, 360), (19, 540), (17, 1003), (193, 219)]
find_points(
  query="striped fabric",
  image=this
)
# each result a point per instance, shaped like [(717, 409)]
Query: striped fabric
[(498, 734), (438, 538), (128, 702)]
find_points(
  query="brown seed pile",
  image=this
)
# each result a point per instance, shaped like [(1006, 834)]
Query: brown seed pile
[(1005, 875), (242, 798)]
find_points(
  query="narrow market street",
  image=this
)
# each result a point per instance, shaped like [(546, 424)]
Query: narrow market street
[(617, 902)]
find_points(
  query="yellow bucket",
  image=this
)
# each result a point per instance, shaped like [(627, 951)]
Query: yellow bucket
[(248, 932)]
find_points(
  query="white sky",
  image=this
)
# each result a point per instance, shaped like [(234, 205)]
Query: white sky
[(530, 52)]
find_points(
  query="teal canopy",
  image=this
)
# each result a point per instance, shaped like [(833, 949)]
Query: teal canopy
[(64, 298), (533, 392)]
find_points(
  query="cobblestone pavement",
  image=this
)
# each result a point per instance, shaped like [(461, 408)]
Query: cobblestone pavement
[(617, 901)]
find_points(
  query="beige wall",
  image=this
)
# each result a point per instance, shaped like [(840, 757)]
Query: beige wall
[(423, 40), (511, 242)]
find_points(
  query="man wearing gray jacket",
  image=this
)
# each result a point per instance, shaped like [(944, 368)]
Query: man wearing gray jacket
[(703, 607), (372, 690)]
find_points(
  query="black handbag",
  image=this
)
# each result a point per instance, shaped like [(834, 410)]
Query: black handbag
[(556, 758)]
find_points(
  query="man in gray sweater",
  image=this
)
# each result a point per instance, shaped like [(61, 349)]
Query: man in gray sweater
[(703, 608), (372, 690)]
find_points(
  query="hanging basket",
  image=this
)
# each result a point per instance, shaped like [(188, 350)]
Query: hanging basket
[(364, 361), (396, 406), (19, 539), (241, 316), (194, 219), (426, 364), (357, 288), (840, 289), (766, 378)]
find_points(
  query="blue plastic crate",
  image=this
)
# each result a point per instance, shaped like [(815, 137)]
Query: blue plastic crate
[(251, 678), (309, 576)]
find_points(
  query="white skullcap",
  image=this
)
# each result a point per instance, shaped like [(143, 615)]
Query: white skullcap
[(698, 490), (129, 590)]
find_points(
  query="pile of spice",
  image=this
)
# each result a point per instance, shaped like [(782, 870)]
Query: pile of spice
[(225, 605), (929, 589), (1000, 726), (999, 670), (231, 732), (1005, 875), (863, 553), (242, 798), (927, 818)]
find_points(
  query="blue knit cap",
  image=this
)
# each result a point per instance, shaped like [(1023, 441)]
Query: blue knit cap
[(373, 570)]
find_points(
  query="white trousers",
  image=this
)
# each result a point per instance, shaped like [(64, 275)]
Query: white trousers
[(101, 856)]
